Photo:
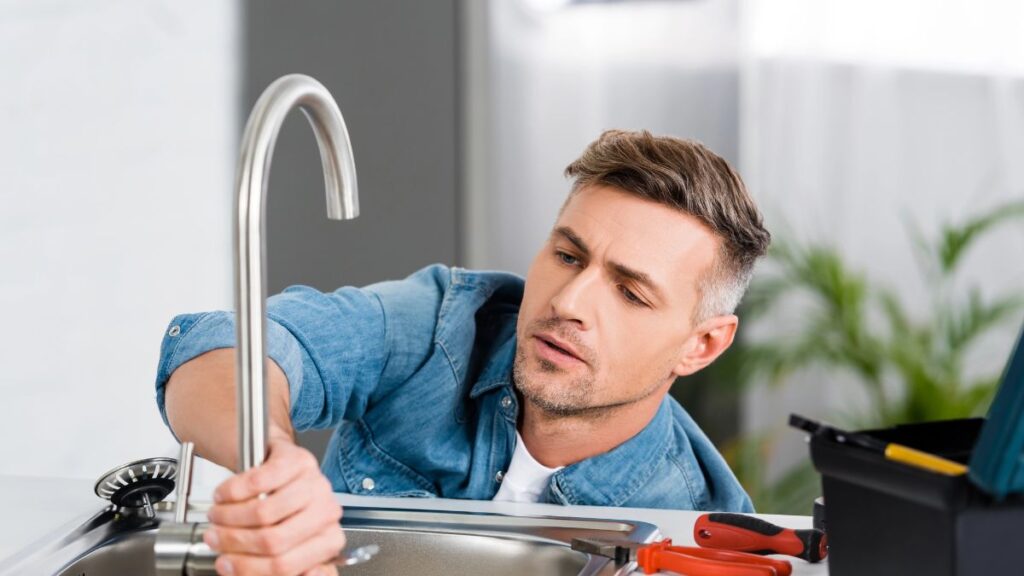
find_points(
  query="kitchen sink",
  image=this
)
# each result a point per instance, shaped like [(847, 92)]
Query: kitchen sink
[(411, 542)]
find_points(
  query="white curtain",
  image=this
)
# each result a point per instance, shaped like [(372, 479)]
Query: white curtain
[(860, 115)]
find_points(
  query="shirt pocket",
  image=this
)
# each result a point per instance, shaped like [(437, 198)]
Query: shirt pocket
[(367, 469)]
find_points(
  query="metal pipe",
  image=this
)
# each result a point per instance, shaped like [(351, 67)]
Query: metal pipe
[(186, 457), (286, 93)]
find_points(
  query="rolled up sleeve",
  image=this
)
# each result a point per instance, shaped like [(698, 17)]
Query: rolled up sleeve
[(190, 335), (336, 348)]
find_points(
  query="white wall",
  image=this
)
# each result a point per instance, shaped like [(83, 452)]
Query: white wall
[(118, 139)]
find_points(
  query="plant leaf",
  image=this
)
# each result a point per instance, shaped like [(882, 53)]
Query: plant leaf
[(978, 316), (955, 240)]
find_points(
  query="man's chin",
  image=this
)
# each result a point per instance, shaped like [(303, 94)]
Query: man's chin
[(551, 388), (552, 408), (548, 399)]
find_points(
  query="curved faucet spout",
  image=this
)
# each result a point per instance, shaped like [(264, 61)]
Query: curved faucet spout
[(285, 94)]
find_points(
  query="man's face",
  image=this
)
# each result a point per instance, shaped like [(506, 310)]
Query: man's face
[(605, 318)]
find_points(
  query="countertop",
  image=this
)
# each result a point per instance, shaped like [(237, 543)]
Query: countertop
[(41, 505)]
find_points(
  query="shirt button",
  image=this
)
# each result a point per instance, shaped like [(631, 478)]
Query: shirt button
[(368, 484), (498, 477), (174, 331), (506, 402)]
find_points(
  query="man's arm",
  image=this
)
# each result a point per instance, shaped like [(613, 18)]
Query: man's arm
[(330, 355), (201, 405), (295, 526), (338, 352)]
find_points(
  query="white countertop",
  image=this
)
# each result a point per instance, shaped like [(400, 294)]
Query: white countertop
[(41, 505)]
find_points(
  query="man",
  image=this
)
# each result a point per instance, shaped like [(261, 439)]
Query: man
[(463, 384)]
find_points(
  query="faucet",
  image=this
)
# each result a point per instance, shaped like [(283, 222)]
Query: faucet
[(179, 547), (286, 93)]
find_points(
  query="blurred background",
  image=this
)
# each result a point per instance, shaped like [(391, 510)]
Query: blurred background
[(882, 140)]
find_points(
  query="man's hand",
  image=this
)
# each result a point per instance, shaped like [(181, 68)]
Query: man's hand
[(294, 529)]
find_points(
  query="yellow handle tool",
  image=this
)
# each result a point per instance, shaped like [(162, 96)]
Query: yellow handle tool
[(891, 451), (907, 455)]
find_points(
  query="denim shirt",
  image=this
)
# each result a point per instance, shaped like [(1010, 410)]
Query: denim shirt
[(415, 378)]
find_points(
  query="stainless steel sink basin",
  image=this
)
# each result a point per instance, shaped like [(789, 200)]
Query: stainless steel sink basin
[(411, 542)]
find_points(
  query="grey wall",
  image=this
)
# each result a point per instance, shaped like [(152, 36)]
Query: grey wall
[(392, 68)]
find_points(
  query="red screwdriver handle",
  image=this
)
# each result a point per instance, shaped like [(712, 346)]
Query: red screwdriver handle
[(729, 531)]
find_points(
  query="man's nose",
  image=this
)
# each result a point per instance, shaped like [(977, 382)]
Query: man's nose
[(574, 302)]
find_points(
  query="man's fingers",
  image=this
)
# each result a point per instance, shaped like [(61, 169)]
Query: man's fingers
[(271, 509), (277, 539), (279, 518), (311, 553), (284, 463)]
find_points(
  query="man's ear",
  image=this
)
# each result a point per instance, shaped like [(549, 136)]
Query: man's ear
[(709, 340)]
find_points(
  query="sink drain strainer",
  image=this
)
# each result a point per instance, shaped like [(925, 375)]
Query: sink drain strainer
[(139, 484)]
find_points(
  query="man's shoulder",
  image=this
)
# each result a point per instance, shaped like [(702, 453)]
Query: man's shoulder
[(440, 279), (439, 289), (482, 278), (467, 312)]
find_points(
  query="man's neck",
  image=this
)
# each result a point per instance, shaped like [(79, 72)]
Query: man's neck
[(563, 440)]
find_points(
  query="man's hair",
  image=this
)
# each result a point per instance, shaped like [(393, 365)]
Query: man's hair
[(684, 175)]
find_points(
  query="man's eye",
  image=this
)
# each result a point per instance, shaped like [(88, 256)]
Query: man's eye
[(567, 259), (630, 296)]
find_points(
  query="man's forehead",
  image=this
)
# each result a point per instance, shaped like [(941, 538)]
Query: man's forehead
[(606, 213), (667, 244)]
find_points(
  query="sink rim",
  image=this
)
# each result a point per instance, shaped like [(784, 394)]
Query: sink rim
[(87, 533)]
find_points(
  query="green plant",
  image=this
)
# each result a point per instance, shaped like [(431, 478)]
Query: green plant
[(868, 330), (913, 368)]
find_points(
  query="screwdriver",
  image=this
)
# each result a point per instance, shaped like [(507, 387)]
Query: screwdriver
[(891, 450), (738, 532)]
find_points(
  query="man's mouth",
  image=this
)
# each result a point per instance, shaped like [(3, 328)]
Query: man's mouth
[(556, 350)]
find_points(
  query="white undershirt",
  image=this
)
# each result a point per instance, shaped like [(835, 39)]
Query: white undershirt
[(526, 479)]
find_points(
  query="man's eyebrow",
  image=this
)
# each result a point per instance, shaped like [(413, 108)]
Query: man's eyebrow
[(637, 276), (568, 234), (620, 270)]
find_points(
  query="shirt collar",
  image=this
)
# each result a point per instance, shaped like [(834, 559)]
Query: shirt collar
[(610, 479), (498, 370)]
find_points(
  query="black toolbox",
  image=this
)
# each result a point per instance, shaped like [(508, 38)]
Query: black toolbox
[(887, 518)]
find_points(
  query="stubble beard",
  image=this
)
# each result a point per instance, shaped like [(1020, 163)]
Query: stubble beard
[(574, 400), (569, 400)]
